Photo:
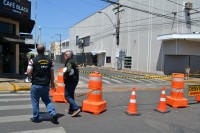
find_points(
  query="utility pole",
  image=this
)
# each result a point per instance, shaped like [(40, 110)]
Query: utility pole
[(118, 24), (117, 27), (35, 22), (117, 37), (60, 47)]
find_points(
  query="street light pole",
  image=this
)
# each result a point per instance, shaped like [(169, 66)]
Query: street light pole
[(39, 36), (117, 30)]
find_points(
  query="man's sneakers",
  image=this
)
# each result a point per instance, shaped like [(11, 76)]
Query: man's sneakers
[(69, 111), (35, 120), (76, 112), (55, 119)]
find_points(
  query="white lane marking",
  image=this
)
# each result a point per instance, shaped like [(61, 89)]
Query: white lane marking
[(83, 78), (137, 80), (22, 94), (106, 81), (15, 99), (111, 79), (125, 80), (15, 118), (13, 107), (48, 130)]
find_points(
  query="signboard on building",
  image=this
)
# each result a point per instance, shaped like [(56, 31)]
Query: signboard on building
[(18, 8), (194, 90)]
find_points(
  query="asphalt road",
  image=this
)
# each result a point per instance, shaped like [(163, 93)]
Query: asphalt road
[(15, 111)]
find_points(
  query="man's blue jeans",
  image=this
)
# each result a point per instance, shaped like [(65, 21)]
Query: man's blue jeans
[(42, 91), (69, 95)]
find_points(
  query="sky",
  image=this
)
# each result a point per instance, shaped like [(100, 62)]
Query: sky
[(56, 16)]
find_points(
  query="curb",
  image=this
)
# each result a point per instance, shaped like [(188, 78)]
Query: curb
[(21, 86), (12, 86), (6, 86)]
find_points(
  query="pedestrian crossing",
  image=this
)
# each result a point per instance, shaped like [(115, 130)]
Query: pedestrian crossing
[(108, 80), (16, 111)]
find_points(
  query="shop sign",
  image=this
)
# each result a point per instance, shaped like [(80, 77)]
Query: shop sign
[(194, 90), (20, 8)]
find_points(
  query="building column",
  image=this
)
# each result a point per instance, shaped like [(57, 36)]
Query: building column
[(17, 58)]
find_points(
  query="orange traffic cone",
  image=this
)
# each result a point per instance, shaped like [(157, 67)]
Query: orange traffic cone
[(94, 102), (52, 91), (132, 108), (162, 107), (197, 98), (176, 98)]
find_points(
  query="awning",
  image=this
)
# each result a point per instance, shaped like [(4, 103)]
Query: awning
[(26, 25), (12, 40), (97, 52), (189, 37), (16, 40)]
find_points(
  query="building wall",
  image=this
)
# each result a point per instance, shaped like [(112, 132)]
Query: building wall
[(138, 32), (14, 48)]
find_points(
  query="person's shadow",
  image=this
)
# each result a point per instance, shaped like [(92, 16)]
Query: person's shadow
[(44, 116)]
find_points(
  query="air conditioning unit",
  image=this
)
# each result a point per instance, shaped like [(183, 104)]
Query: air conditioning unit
[(187, 5), (82, 41)]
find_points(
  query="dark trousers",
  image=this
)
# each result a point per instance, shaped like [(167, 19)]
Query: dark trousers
[(69, 95)]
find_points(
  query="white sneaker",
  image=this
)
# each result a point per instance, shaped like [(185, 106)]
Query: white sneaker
[(76, 112)]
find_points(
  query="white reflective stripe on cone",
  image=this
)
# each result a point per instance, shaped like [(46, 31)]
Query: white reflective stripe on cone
[(133, 93), (163, 99), (60, 84), (178, 90), (95, 78), (132, 101), (60, 73), (178, 79), (95, 91), (163, 92)]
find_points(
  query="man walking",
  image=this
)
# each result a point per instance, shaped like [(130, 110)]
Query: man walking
[(42, 72), (71, 78)]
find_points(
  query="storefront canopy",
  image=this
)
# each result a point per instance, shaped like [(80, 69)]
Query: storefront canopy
[(16, 40), (11, 40), (97, 52), (189, 37)]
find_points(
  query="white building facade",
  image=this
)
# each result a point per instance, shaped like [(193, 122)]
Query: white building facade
[(157, 36)]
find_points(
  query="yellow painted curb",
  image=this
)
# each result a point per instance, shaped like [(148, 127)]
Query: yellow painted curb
[(21, 86), (6, 86)]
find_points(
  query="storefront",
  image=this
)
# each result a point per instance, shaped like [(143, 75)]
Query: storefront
[(180, 51), (15, 18)]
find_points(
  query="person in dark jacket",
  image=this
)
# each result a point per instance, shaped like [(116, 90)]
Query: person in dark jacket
[(42, 72), (71, 78)]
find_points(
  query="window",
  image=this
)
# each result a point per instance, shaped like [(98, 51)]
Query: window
[(108, 59), (86, 41), (127, 62), (7, 28)]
